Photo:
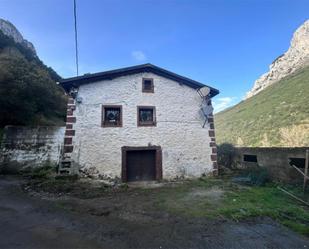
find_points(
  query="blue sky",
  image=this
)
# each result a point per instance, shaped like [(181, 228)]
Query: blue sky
[(227, 44)]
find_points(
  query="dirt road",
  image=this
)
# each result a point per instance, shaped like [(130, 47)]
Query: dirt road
[(111, 222)]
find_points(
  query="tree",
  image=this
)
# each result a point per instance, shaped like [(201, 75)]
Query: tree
[(28, 91)]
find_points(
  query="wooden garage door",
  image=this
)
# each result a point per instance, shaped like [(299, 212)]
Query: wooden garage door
[(141, 165)]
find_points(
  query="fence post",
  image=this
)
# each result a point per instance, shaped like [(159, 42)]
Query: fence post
[(306, 169)]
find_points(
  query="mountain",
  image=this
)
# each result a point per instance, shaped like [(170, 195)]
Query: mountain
[(276, 111), (276, 116), (10, 30), (29, 94), (295, 58)]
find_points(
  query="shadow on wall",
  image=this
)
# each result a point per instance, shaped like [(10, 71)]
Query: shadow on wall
[(277, 160)]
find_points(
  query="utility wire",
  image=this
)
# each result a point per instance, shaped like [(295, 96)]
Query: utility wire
[(76, 47)]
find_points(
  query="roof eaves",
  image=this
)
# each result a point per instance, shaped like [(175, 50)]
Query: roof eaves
[(88, 78)]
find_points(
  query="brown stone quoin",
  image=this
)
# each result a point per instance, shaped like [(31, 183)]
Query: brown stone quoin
[(212, 144)]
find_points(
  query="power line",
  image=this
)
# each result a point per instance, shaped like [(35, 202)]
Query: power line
[(76, 47)]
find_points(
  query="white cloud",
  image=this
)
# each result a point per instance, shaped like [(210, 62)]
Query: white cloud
[(223, 103), (138, 55)]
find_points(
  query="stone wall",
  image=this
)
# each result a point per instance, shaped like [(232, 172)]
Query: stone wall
[(188, 149), (276, 160), (30, 146)]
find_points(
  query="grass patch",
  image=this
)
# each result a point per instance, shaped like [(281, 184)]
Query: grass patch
[(222, 198), (266, 201)]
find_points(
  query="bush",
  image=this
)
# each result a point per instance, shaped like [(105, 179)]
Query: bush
[(257, 176), (225, 154)]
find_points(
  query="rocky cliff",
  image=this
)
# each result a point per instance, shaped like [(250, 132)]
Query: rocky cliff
[(10, 30), (295, 58)]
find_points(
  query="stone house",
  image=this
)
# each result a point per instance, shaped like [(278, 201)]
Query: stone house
[(138, 123)]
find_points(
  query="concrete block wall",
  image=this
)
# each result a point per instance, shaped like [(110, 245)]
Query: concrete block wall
[(275, 159)]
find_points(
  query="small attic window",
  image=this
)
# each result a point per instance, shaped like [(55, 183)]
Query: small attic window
[(147, 85)]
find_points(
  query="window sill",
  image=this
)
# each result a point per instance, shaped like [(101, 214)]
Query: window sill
[(146, 125), (111, 126), (148, 91)]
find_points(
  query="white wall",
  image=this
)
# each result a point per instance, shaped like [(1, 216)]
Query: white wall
[(31, 146), (185, 144)]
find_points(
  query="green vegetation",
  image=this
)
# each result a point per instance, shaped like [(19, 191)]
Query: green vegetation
[(28, 92), (216, 198), (266, 201), (45, 172), (277, 116)]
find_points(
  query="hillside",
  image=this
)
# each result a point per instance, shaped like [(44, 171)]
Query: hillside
[(276, 116), (28, 91)]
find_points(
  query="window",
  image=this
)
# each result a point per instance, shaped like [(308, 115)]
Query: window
[(146, 116), (250, 158), (298, 162), (111, 116), (148, 85)]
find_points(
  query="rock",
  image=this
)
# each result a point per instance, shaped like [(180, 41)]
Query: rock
[(295, 58), (10, 30)]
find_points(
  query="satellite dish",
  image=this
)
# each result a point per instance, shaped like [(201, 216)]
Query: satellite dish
[(207, 110), (206, 106), (204, 91)]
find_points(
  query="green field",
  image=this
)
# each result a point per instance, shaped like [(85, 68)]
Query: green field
[(277, 116)]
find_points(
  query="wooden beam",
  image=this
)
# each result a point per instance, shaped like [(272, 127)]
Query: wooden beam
[(295, 197), (300, 171)]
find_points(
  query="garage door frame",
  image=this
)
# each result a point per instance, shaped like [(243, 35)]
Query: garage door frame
[(158, 158)]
